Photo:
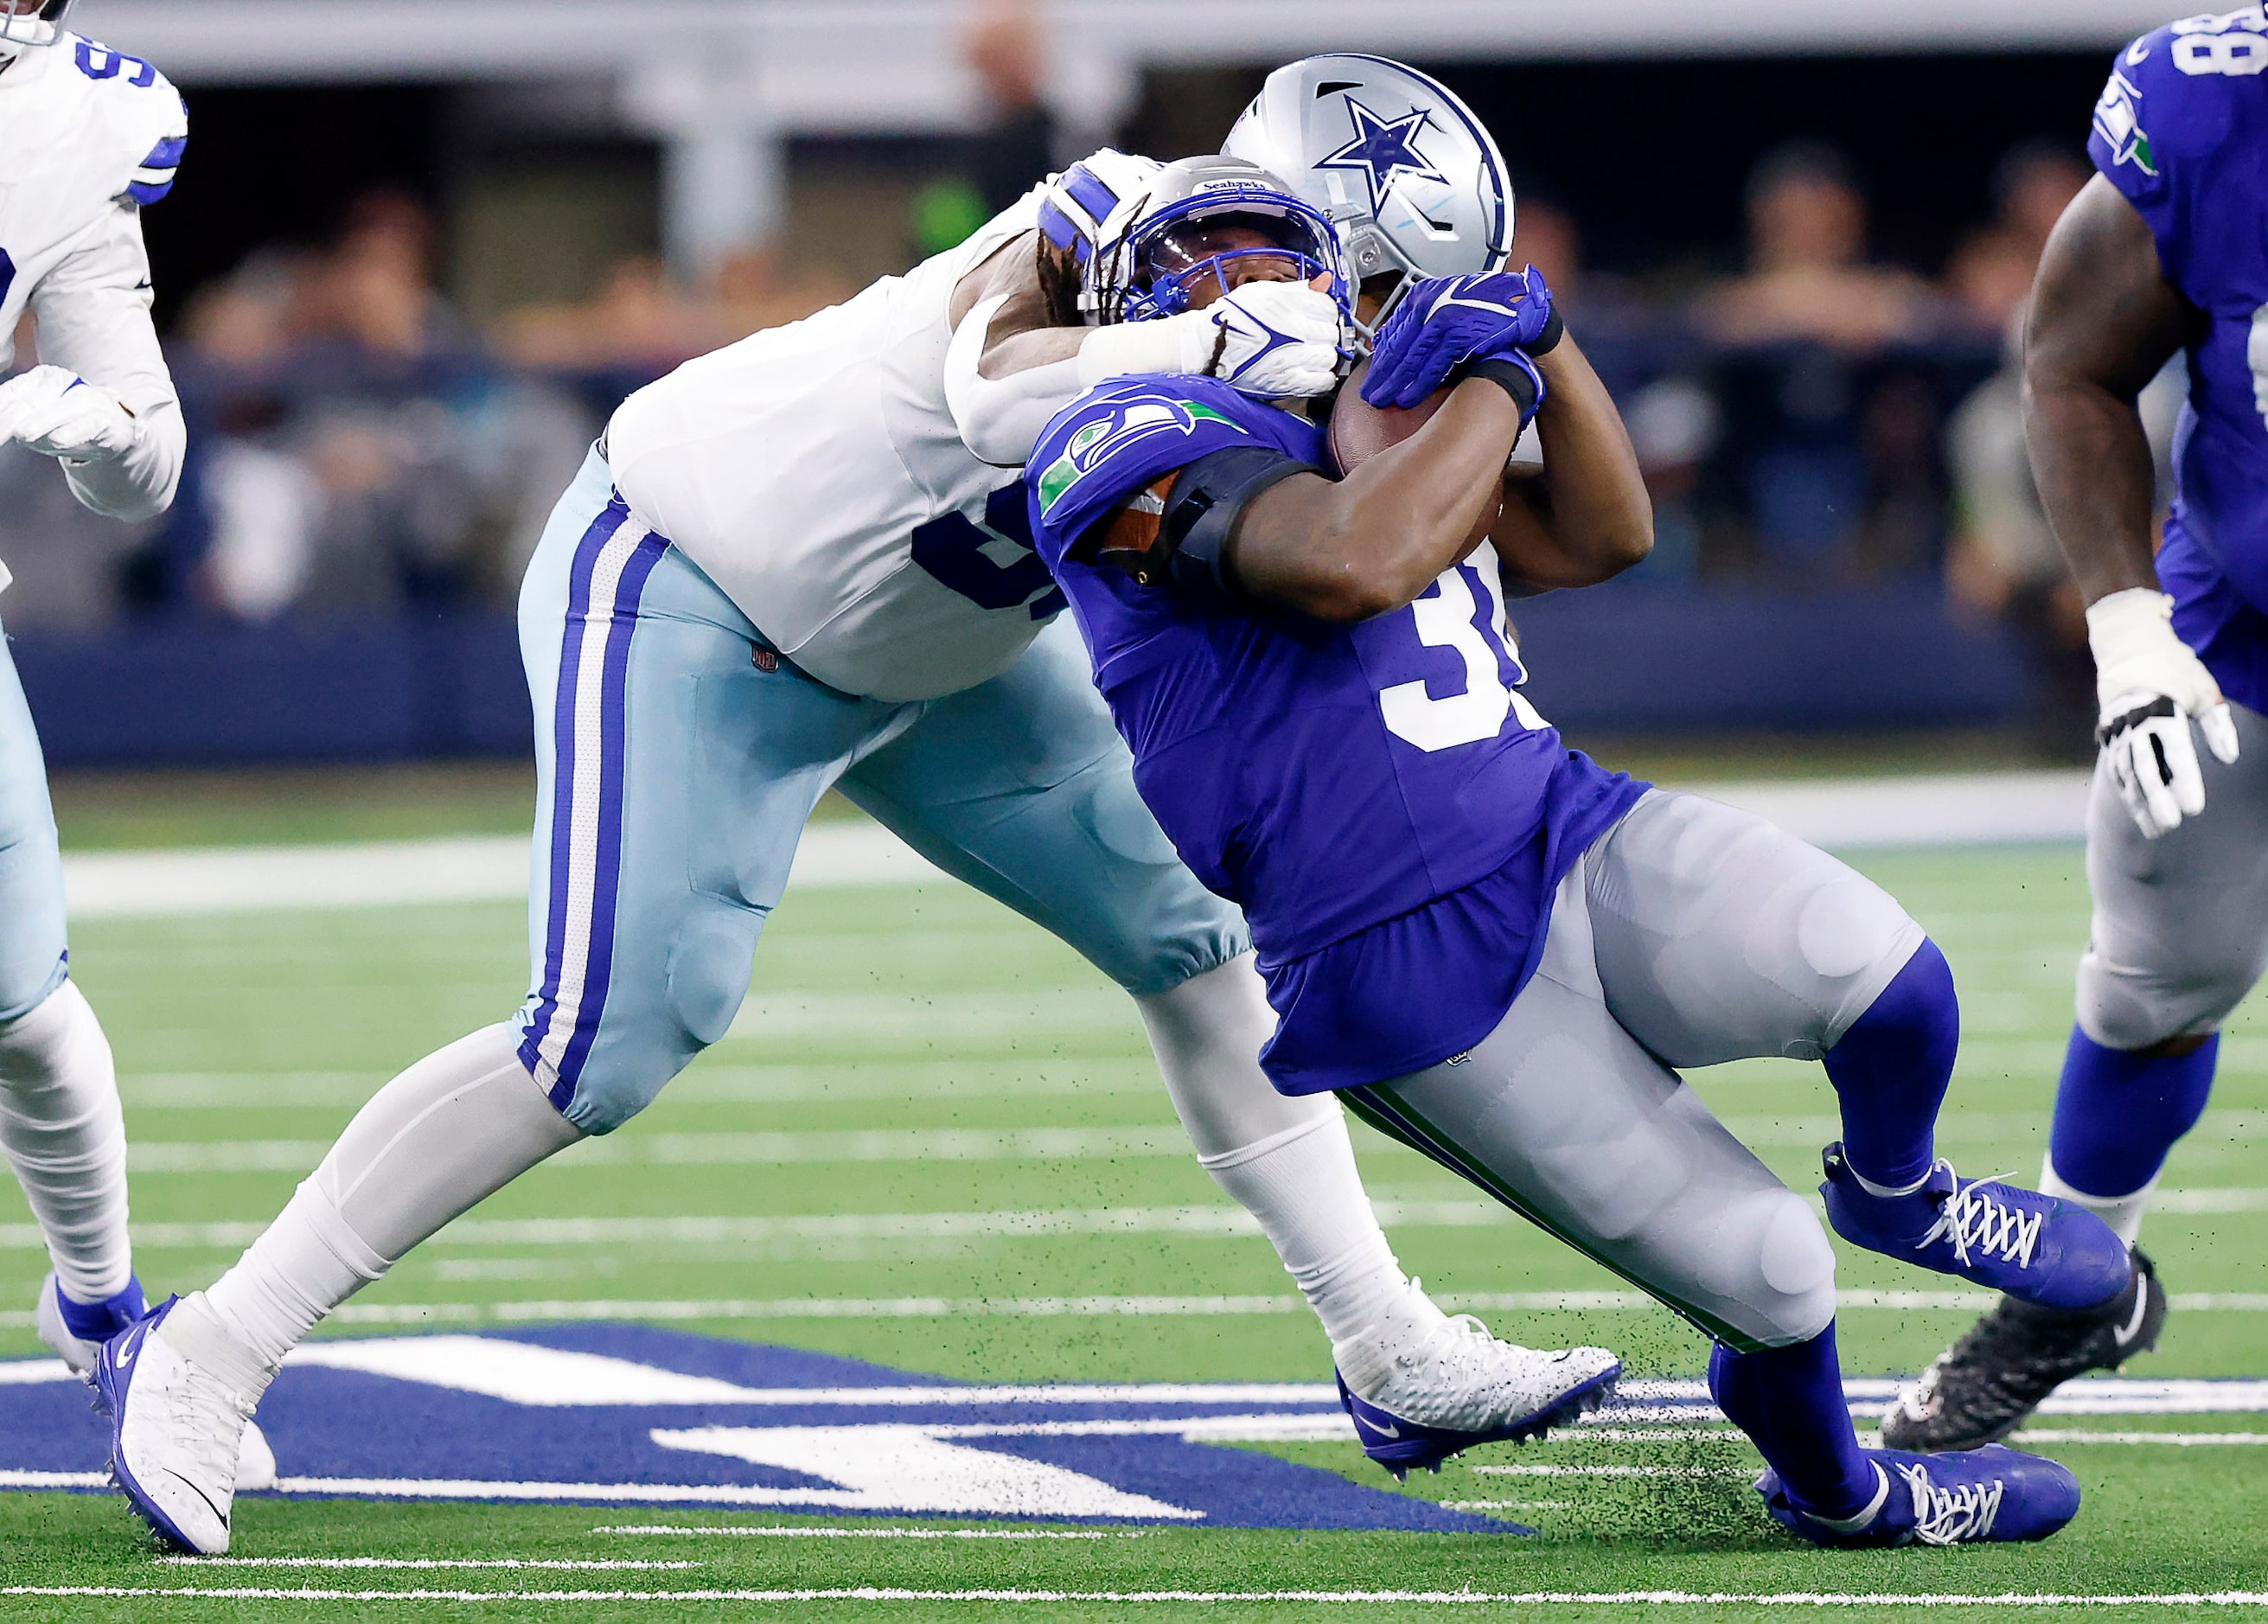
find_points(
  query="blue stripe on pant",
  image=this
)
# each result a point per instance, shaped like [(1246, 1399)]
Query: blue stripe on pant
[(674, 777), (611, 565)]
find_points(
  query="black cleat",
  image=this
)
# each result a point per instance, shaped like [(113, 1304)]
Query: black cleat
[(1988, 1384)]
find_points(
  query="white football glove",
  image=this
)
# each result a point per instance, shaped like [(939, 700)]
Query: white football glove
[(2151, 688), (55, 412), (1275, 340), (1271, 339)]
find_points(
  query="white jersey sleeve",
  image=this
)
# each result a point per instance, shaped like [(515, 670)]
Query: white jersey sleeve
[(93, 137)]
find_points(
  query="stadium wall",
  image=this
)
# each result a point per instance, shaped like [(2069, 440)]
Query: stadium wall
[(1627, 657)]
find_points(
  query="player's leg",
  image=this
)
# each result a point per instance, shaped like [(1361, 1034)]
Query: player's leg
[(1721, 936), (1022, 787), (60, 1120), (1565, 1116), (665, 831), (2180, 935)]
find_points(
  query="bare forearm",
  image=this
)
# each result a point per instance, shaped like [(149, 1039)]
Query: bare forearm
[(2097, 479), (1587, 518), (1369, 544), (2103, 321)]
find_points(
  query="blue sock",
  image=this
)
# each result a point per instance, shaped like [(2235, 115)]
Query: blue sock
[(1891, 1068), (1789, 1400), (2116, 1114)]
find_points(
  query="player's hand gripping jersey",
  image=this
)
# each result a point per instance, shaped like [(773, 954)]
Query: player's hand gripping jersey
[(817, 474), (1391, 815), (2182, 131)]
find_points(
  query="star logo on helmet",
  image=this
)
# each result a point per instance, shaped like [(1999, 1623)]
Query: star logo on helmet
[(1384, 149)]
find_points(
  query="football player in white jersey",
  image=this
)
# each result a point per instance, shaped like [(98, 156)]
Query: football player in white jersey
[(800, 562), (92, 137)]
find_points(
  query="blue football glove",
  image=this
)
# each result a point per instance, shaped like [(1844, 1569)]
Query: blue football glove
[(1445, 321)]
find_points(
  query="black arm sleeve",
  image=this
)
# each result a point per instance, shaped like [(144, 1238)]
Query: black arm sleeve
[(1208, 499)]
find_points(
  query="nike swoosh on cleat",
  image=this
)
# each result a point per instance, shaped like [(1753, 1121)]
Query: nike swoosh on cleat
[(201, 1495), (2132, 1328), (1384, 1430)]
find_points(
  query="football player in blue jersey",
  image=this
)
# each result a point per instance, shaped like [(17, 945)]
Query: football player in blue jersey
[(1489, 946), (2164, 253)]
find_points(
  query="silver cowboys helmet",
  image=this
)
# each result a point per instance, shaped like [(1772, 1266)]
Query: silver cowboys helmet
[(1192, 223), (1410, 176), (32, 22)]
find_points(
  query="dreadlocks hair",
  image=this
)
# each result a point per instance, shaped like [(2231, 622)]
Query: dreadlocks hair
[(1060, 284)]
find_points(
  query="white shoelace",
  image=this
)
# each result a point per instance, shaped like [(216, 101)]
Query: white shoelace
[(1950, 1516), (1970, 1217)]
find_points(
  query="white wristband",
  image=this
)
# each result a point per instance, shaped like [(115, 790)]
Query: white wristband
[(1132, 347), (2131, 634)]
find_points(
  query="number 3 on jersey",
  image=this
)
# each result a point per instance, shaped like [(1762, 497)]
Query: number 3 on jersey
[(990, 563), (1444, 617)]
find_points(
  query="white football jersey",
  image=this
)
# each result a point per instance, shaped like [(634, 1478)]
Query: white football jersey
[(89, 135), (90, 138), (817, 474)]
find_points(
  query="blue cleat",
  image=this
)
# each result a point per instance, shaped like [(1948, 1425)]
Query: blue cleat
[(1555, 1389), (76, 1331), (175, 1433), (1994, 1494), (2037, 1249)]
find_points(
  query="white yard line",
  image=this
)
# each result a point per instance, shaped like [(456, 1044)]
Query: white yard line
[(423, 1563), (1453, 1599), (727, 1532), (1937, 811), (664, 1310)]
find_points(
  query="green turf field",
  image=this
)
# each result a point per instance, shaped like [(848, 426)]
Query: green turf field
[(923, 1052)]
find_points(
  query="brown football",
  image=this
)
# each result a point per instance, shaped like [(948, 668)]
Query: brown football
[(1360, 431)]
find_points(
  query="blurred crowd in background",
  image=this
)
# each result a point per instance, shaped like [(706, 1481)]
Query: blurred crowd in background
[(1816, 419)]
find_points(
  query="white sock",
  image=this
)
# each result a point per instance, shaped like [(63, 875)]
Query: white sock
[(65, 1136), (1286, 1159), (1303, 1187), (443, 1136), (2123, 1213)]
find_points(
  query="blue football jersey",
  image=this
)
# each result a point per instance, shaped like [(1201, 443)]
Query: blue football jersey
[(1335, 781), (2182, 131)]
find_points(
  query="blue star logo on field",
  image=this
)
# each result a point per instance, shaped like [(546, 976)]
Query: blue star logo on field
[(630, 1416), (1383, 149)]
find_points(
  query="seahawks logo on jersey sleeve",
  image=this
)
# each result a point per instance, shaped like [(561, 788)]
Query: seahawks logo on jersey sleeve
[(1113, 435), (2119, 122)]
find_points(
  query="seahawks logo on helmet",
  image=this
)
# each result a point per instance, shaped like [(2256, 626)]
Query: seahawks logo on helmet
[(1130, 423)]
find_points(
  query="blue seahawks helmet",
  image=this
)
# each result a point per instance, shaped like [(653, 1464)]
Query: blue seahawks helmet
[(1194, 223), (1412, 179), (32, 22)]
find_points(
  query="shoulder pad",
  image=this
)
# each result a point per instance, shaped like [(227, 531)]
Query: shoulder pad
[(1112, 441), (143, 123), (2174, 94)]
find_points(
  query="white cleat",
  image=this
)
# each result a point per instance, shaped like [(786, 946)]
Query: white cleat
[(256, 1461), (175, 1435), (1422, 1386)]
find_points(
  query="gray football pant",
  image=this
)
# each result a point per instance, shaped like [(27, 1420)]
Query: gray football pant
[(2180, 932), (1689, 935)]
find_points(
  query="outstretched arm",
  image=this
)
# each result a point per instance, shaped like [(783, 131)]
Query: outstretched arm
[(2103, 321)]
